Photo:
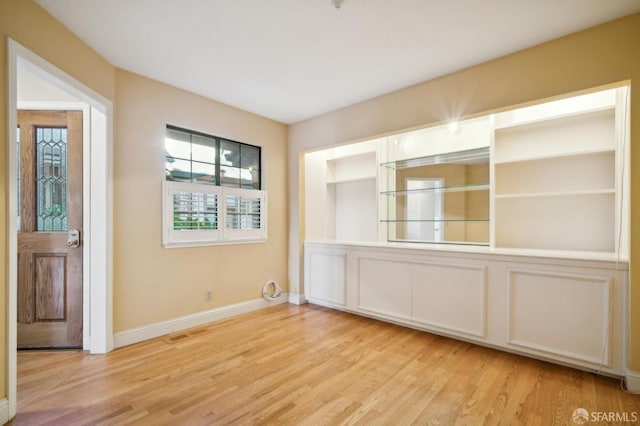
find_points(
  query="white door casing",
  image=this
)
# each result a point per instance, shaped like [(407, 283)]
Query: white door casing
[(97, 180)]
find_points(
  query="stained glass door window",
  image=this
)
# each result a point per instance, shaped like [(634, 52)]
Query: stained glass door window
[(51, 178), (18, 221)]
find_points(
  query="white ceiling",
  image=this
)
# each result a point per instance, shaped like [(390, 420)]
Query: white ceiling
[(290, 60)]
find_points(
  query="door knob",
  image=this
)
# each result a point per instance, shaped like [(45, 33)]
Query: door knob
[(73, 239)]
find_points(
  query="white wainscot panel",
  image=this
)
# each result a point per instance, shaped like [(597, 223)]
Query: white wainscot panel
[(384, 287), (450, 297), (327, 277), (561, 314)]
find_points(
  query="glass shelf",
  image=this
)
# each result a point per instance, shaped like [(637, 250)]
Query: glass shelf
[(453, 188), (431, 220), (438, 199), (464, 243), (470, 156)]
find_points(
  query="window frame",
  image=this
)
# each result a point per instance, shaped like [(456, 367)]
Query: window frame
[(222, 234), (218, 165)]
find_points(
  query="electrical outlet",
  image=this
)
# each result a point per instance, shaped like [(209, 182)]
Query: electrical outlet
[(207, 296)]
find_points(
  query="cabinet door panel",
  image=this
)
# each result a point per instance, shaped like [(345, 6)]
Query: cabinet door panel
[(562, 314), (385, 287), (450, 297), (327, 277)]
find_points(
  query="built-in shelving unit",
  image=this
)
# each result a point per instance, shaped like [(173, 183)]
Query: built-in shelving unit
[(518, 216), (351, 168), (548, 176), (555, 181), (351, 182), (341, 188)]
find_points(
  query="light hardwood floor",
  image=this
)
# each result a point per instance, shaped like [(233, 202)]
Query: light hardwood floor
[(306, 365)]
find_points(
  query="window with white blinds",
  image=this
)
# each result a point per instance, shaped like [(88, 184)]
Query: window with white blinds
[(244, 213), (200, 214), (194, 211)]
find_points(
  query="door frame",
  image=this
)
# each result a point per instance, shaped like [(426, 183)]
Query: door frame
[(97, 208)]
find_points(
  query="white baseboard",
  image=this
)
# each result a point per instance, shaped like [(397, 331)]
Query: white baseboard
[(4, 411), (297, 299), (139, 334), (632, 381)]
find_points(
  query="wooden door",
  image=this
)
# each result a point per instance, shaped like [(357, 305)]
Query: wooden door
[(50, 205)]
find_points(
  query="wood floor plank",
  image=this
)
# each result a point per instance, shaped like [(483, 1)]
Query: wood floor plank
[(305, 365)]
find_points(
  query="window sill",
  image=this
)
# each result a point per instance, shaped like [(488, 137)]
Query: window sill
[(212, 243)]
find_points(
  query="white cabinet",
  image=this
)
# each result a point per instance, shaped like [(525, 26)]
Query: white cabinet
[(565, 310), (328, 282)]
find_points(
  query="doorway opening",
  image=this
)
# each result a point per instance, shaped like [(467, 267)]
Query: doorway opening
[(424, 209), (35, 83), (49, 198)]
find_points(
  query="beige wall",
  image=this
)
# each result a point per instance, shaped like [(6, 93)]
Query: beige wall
[(26, 23), (598, 56), (152, 283)]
